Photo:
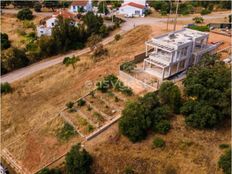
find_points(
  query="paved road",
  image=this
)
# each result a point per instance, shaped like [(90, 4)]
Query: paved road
[(128, 25)]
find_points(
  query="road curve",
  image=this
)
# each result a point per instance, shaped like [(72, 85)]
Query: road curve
[(128, 25)]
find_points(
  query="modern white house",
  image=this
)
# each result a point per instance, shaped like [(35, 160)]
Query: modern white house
[(81, 6), (174, 52), (132, 8), (49, 23)]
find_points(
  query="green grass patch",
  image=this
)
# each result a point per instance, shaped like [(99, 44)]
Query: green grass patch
[(158, 143)]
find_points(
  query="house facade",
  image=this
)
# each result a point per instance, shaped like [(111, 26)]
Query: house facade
[(49, 23), (174, 52), (81, 6), (132, 8)]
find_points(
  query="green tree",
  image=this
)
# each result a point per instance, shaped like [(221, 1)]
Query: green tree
[(128, 67), (225, 162), (5, 43), (78, 160), (198, 19), (102, 7), (13, 58), (71, 61), (133, 122), (50, 171), (51, 4), (93, 23), (37, 7), (5, 87), (169, 94), (25, 14)]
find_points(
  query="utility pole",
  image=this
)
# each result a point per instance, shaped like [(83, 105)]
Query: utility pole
[(177, 6), (170, 11)]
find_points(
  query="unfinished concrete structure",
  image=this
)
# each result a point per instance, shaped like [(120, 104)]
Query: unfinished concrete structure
[(175, 52)]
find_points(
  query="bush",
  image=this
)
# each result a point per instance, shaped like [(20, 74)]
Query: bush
[(25, 14), (5, 43), (117, 37), (78, 160), (198, 19), (71, 61), (128, 67), (50, 171), (224, 146), (129, 170), (69, 105), (100, 51), (5, 88), (200, 28), (205, 11), (162, 127), (37, 7), (225, 162), (66, 132), (81, 102), (158, 143)]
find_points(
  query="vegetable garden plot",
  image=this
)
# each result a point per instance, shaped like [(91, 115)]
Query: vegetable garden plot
[(39, 148), (95, 118), (81, 123), (101, 105)]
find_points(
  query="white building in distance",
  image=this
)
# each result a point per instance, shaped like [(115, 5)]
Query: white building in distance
[(132, 8), (81, 6)]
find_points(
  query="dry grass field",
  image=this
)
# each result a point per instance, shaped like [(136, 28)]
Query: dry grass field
[(187, 151), (40, 97)]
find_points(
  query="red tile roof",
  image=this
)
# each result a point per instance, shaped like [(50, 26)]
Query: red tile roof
[(133, 4), (79, 3), (64, 14)]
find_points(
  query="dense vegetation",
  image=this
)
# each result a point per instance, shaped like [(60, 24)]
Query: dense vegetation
[(5, 88), (207, 87), (25, 14), (150, 112), (78, 161), (225, 162), (5, 43)]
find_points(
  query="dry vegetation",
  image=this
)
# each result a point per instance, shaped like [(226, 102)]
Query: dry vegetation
[(40, 97), (187, 151)]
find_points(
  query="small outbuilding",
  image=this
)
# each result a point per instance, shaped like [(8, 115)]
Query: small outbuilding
[(131, 9)]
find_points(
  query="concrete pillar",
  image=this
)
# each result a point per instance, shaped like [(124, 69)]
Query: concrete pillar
[(146, 51), (163, 73), (177, 69), (169, 70)]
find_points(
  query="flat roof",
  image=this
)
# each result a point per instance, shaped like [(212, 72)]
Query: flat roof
[(174, 39)]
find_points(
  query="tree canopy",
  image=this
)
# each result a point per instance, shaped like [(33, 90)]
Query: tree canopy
[(208, 88), (5, 43), (225, 162), (25, 14), (78, 160)]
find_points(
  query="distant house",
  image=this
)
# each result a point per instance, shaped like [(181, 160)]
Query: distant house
[(81, 6), (50, 22), (132, 8)]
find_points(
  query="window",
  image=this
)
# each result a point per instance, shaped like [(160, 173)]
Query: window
[(52, 24), (41, 31), (137, 12)]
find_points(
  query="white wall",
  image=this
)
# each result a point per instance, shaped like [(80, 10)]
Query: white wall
[(51, 22), (129, 10)]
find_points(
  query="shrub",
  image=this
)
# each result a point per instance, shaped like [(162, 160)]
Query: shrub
[(205, 11), (127, 91), (93, 40), (90, 128), (37, 7), (225, 162), (5, 43), (5, 88), (71, 61), (158, 143), (69, 105), (81, 102), (224, 146), (170, 170), (66, 132), (129, 170), (199, 28), (198, 19), (128, 67), (78, 159), (100, 51), (117, 37), (50, 171), (162, 127), (25, 14)]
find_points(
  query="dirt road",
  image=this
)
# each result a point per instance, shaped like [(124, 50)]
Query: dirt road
[(128, 25)]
